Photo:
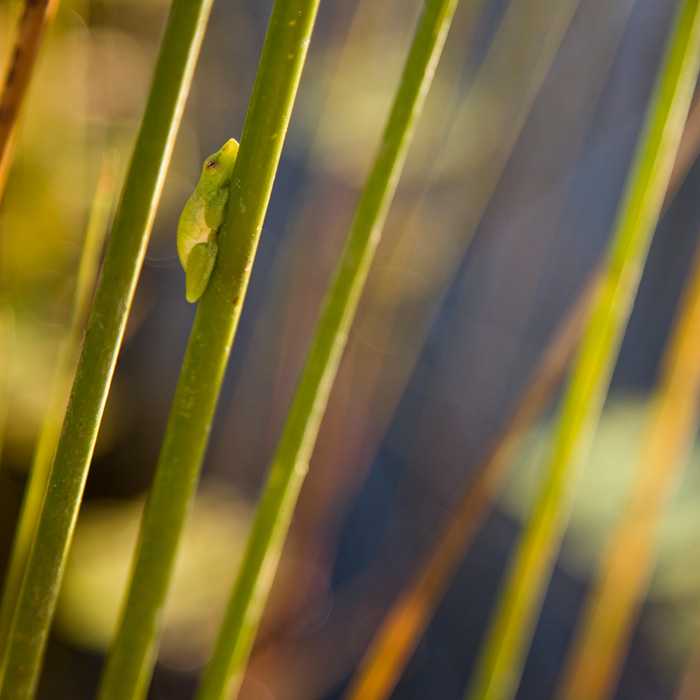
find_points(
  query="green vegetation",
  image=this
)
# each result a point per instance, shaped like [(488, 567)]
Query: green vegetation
[(363, 292)]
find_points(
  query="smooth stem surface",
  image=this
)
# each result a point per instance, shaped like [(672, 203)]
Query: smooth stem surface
[(60, 389), (500, 664), (602, 641), (130, 663), (132, 225), (290, 463)]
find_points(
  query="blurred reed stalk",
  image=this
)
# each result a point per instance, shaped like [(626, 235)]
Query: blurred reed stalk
[(130, 662), (290, 463), (60, 389), (502, 656), (402, 628), (35, 18), (602, 640), (7, 351), (132, 225)]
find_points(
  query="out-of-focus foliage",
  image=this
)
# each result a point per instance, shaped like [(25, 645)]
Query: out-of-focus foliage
[(602, 493), (600, 498), (86, 96)]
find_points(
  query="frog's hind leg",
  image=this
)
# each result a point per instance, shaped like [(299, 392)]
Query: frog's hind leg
[(200, 263)]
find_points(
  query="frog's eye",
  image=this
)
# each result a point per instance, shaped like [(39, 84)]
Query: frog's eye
[(211, 165)]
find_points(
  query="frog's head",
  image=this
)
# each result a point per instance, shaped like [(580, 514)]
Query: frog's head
[(218, 167)]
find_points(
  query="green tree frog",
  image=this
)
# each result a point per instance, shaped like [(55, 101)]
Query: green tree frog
[(201, 219)]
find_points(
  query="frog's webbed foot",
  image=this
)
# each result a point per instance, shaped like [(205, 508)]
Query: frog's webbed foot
[(200, 263)]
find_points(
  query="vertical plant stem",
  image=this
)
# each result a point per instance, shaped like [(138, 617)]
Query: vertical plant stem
[(130, 662), (500, 664), (597, 655), (290, 463), (55, 411), (31, 29), (133, 221)]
